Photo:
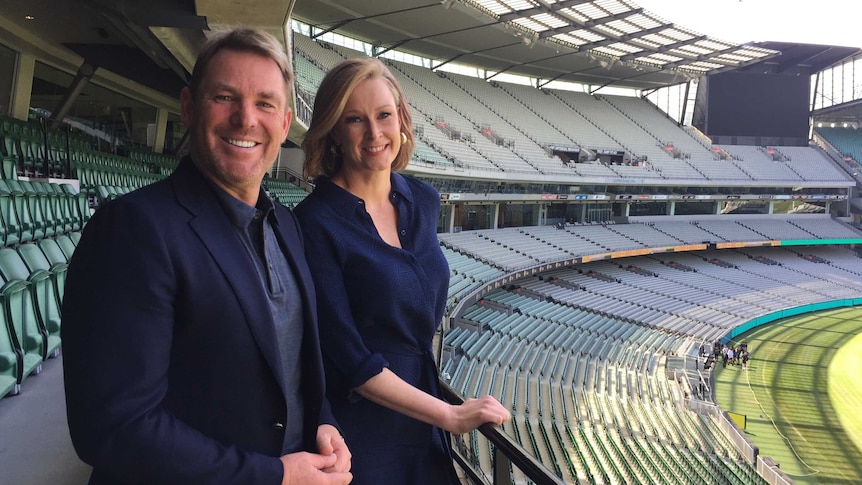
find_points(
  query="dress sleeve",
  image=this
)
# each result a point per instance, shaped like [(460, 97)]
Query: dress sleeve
[(343, 346)]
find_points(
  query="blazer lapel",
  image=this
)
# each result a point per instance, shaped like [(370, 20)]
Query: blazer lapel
[(214, 230)]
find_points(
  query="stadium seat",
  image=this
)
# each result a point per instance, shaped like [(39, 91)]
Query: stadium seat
[(19, 203), (11, 227), (44, 307), (9, 166), (64, 207), (19, 315), (53, 252), (35, 206), (79, 206), (47, 200), (35, 259), (9, 356), (66, 244)]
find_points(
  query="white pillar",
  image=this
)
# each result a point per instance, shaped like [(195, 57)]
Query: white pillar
[(22, 86), (160, 130)]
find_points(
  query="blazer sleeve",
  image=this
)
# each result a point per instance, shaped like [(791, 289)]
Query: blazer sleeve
[(117, 331)]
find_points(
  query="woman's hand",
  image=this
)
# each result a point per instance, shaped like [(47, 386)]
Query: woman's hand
[(474, 413)]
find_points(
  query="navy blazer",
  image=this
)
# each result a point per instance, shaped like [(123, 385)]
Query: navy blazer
[(170, 355)]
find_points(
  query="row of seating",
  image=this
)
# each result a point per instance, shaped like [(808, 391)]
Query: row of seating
[(584, 376), (463, 122), (32, 150), (32, 210), (32, 284), (284, 191)]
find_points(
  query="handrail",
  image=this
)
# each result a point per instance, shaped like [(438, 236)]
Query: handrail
[(506, 452)]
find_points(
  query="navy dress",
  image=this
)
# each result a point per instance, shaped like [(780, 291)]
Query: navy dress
[(379, 306)]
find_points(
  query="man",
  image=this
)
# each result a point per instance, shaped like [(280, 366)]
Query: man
[(191, 352)]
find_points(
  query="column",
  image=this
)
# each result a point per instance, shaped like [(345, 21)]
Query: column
[(22, 87), (160, 130)]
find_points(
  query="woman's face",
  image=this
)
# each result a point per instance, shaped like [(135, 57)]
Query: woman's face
[(369, 130)]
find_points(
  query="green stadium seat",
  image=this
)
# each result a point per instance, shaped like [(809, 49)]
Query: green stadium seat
[(34, 204), (53, 252), (36, 260), (9, 167), (9, 357), (66, 245), (19, 314), (31, 154), (79, 206), (12, 161), (19, 203), (8, 214), (48, 204), (45, 306), (62, 207)]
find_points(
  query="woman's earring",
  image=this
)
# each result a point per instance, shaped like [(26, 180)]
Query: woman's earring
[(333, 150), (403, 138)]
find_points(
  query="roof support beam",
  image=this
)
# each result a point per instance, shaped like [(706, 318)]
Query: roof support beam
[(623, 38), (344, 22), (664, 48), (711, 57), (542, 8), (447, 61), (576, 25)]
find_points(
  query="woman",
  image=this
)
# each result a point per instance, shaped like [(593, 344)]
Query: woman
[(381, 281)]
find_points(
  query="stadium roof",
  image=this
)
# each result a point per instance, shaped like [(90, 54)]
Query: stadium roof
[(600, 43)]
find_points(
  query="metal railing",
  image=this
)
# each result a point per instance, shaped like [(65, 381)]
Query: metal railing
[(506, 453)]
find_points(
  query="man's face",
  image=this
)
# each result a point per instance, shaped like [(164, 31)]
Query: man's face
[(237, 121)]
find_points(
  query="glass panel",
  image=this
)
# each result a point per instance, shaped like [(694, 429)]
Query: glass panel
[(110, 118)]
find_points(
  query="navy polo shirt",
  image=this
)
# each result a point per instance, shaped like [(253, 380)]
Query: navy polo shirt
[(254, 226)]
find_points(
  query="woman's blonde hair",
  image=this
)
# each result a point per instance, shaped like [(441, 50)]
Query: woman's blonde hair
[(321, 156)]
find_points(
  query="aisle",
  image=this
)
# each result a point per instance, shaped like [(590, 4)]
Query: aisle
[(35, 448)]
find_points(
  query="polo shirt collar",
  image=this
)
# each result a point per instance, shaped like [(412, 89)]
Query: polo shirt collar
[(242, 214)]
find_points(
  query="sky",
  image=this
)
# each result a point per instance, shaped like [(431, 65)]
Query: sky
[(829, 22)]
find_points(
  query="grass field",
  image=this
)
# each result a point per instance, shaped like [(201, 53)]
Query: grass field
[(802, 395)]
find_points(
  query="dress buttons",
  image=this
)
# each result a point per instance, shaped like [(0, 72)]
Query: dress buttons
[(277, 425)]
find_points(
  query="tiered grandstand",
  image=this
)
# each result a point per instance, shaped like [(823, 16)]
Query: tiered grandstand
[(582, 353), (591, 331)]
